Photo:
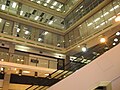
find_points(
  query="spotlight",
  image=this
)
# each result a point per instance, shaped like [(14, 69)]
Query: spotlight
[(114, 44), (20, 72), (102, 40), (36, 74), (116, 40), (117, 33), (117, 19), (2, 70), (84, 48)]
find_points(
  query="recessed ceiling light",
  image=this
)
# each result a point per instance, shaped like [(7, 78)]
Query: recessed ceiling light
[(45, 33), (52, 7), (18, 59), (114, 44), (26, 72), (18, 29), (45, 4), (117, 33), (78, 46), (22, 60), (60, 6), (46, 74), (58, 9), (2, 59), (2, 68), (84, 49), (55, 3), (117, 19), (0, 19), (36, 18), (58, 44), (47, 1), (51, 22), (27, 32), (116, 40), (38, 2), (3, 7), (14, 4), (102, 40), (39, 39), (21, 12)]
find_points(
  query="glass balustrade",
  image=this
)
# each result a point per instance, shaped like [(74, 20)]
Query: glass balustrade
[(96, 23), (30, 33)]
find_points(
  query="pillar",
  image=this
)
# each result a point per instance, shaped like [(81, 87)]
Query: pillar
[(67, 60), (11, 51), (6, 81)]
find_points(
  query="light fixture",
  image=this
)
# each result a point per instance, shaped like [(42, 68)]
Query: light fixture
[(0, 20), (18, 29), (46, 74), (36, 18), (117, 19), (78, 45), (2, 59), (38, 2), (117, 33), (60, 6), (22, 60), (52, 7), (20, 72), (47, 1), (21, 12), (18, 59), (45, 4), (58, 44), (27, 72), (39, 39), (102, 40), (2, 70), (55, 3), (3, 7), (114, 44), (51, 22), (116, 39), (84, 48), (45, 33), (58, 9), (27, 32), (14, 4), (96, 19)]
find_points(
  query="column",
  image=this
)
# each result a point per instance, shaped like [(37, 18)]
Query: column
[(6, 81), (67, 60), (11, 51)]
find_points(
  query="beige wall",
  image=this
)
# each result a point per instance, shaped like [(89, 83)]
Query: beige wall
[(104, 68)]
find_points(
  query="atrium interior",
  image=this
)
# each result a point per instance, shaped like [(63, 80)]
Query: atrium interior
[(44, 41)]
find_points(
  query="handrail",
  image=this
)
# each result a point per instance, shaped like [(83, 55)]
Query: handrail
[(59, 74), (49, 75)]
